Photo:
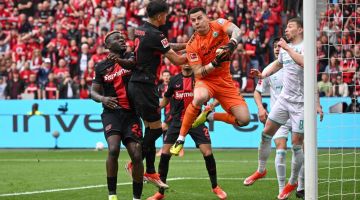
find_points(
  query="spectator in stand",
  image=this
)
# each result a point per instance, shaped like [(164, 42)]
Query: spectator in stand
[(14, 87), (83, 89), (118, 13), (26, 72), (251, 47), (4, 40), (50, 89), (32, 87), (68, 89), (60, 70), (340, 89), (84, 58), (44, 71), (90, 72), (325, 86), (51, 52), (348, 66), (333, 68), (238, 74), (2, 88)]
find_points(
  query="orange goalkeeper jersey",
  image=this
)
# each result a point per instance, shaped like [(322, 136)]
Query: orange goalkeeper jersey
[(201, 49)]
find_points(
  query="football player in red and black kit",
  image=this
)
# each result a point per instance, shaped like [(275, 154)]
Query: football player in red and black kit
[(180, 94), (119, 119), (150, 45)]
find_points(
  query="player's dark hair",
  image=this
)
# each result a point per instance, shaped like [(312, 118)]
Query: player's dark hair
[(297, 20), (155, 7), (197, 9), (276, 40)]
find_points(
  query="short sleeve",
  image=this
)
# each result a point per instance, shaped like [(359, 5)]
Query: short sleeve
[(159, 43), (222, 24), (170, 90), (97, 78), (263, 85)]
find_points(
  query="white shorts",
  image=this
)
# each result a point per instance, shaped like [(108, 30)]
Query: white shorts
[(283, 111), (283, 131)]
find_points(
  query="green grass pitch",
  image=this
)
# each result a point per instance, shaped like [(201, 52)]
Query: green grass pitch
[(80, 175)]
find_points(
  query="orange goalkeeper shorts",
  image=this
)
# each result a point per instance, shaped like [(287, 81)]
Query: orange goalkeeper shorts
[(224, 90)]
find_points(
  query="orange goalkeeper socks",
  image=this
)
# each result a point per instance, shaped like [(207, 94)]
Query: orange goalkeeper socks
[(190, 115), (225, 117)]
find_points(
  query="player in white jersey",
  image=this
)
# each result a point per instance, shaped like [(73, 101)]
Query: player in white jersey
[(274, 84), (290, 103)]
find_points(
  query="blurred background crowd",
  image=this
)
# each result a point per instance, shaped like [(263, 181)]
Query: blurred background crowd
[(49, 48)]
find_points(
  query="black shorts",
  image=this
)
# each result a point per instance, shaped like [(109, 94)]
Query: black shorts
[(145, 100), (200, 134), (125, 123)]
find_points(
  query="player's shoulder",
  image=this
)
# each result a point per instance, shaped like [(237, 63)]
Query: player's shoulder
[(104, 64), (218, 23)]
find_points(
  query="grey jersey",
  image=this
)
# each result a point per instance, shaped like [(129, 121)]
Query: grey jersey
[(293, 75), (272, 84)]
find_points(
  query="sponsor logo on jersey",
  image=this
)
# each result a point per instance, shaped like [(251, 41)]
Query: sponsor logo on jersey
[(121, 72), (165, 43), (215, 34), (193, 57), (220, 21), (179, 95)]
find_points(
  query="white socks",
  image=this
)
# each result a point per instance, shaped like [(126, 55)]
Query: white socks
[(301, 179), (182, 138), (296, 163), (210, 116), (264, 152), (280, 166)]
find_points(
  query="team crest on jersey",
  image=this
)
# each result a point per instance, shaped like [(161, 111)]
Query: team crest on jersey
[(165, 42), (215, 34), (220, 21), (193, 57)]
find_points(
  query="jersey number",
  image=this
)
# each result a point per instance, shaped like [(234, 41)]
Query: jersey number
[(136, 130)]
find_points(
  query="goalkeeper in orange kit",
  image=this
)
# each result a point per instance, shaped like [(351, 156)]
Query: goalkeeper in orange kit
[(208, 53)]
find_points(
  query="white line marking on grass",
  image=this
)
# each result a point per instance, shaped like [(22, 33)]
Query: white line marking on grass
[(129, 183), (172, 161)]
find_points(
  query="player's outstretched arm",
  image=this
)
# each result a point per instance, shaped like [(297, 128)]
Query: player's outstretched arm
[(272, 69), (297, 57), (175, 58), (178, 46), (124, 63)]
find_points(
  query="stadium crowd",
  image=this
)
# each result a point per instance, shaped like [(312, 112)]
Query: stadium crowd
[(48, 48), (338, 49)]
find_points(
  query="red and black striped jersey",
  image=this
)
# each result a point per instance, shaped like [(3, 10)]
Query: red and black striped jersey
[(181, 93), (114, 80)]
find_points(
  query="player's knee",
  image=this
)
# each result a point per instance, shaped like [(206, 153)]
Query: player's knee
[(114, 151), (207, 152), (199, 100)]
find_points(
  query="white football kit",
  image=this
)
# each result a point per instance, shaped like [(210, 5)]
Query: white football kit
[(274, 85), (290, 103)]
